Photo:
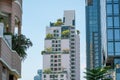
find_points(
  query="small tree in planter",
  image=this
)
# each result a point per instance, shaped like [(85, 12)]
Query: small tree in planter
[(20, 44)]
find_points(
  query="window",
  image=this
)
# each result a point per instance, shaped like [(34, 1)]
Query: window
[(51, 76), (44, 76), (117, 61), (55, 60), (52, 41), (59, 64), (51, 60), (116, 21), (117, 35), (59, 68), (115, 1), (109, 1), (55, 69), (53, 45), (59, 45), (55, 56), (56, 50), (110, 48), (56, 46), (55, 64), (110, 34), (51, 64), (72, 47), (59, 56), (73, 22), (51, 56), (116, 9), (56, 41), (54, 31), (59, 49), (117, 48), (109, 22), (61, 75), (109, 9), (51, 68), (59, 60)]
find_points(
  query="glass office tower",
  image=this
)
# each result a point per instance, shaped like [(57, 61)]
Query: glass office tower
[(113, 35), (103, 34), (93, 33)]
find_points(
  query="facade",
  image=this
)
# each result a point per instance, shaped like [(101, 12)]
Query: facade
[(10, 19), (61, 57), (113, 35), (39, 75), (93, 34), (11, 14), (102, 16)]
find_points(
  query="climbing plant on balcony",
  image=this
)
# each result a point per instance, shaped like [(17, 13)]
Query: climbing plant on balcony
[(20, 43)]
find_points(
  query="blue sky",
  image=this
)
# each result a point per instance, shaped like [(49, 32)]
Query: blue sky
[(36, 16)]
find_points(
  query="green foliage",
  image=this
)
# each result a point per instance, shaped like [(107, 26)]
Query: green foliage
[(66, 51), (66, 33), (47, 71), (97, 73), (7, 33), (49, 49), (78, 32), (43, 52), (20, 44), (58, 23), (49, 36)]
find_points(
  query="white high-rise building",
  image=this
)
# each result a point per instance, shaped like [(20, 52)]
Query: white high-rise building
[(61, 56)]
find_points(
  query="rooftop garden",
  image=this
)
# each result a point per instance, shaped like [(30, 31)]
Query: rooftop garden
[(57, 23)]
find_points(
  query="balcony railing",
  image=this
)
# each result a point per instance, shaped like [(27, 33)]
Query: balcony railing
[(10, 58)]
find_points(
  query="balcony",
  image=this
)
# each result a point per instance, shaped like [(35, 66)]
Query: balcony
[(10, 58)]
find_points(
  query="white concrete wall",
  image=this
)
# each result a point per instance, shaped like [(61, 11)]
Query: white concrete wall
[(65, 44), (48, 44), (65, 60), (77, 39), (46, 61), (69, 16)]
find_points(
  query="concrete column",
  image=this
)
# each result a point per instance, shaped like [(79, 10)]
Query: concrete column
[(1, 29), (0, 71), (19, 28)]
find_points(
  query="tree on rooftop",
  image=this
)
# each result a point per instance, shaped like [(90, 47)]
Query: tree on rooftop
[(58, 23)]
